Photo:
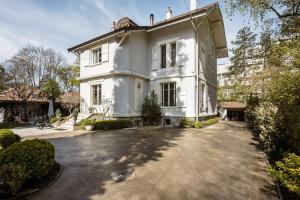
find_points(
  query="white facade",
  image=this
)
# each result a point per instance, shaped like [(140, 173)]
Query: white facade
[(178, 60)]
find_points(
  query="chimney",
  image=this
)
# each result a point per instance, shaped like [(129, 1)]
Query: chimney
[(114, 26), (151, 19), (193, 5), (169, 13)]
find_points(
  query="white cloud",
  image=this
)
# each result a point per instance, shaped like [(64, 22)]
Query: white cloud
[(102, 7)]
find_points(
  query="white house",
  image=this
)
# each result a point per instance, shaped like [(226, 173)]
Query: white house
[(177, 57)]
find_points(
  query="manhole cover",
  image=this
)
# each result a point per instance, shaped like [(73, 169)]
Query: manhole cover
[(121, 175), (104, 159)]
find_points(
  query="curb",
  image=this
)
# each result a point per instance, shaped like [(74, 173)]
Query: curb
[(47, 186), (277, 185)]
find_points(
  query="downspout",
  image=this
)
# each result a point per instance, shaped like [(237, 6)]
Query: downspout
[(196, 71)]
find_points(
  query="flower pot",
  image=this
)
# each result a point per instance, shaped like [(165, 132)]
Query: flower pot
[(89, 127)]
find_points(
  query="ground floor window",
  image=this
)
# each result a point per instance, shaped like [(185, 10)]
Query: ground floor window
[(168, 94), (96, 94)]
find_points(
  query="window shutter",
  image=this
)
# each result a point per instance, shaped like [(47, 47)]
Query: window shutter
[(180, 51), (154, 57), (182, 94), (85, 58), (104, 52)]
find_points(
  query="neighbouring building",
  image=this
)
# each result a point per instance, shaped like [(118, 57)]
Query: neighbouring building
[(176, 57)]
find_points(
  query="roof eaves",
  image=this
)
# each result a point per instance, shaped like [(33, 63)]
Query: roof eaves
[(106, 35)]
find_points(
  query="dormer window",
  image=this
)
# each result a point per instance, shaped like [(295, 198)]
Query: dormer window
[(97, 55)]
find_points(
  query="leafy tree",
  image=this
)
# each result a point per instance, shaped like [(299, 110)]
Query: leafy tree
[(68, 77), (51, 89), (151, 109)]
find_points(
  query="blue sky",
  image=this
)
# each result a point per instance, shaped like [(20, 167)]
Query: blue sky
[(60, 24)]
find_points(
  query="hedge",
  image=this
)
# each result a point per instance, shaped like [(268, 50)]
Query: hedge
[(112, 124), (7, 138), (211, 121)]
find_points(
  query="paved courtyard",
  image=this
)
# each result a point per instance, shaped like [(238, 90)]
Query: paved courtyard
[(219, 162)]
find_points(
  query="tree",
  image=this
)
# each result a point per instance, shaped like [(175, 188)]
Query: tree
[(70, 101), (151, 109), (51, 89), (243, 52), (68, 77), (3, 78), (28, 69)]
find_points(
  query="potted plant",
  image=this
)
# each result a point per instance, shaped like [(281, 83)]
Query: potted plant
[(75, 115), (58, 117), (91, 109), (89, 124)]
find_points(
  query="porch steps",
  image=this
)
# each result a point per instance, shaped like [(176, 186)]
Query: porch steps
[(68, 125)]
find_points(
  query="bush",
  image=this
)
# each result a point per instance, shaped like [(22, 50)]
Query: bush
[(287, 172), (53, 120), (151, 109), (211, 121), (12, 177), (7, 138), (198, 125), (112, 124), (35, 156), (89, 122), (186, 123)]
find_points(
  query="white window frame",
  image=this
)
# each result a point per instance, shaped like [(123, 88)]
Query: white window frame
[(169, 95), (94, 52), (99, 96), (168, 44)]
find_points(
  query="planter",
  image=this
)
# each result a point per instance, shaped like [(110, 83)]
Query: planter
[(89, 127)]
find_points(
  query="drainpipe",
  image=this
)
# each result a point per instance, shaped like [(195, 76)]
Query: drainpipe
[(196, 71)]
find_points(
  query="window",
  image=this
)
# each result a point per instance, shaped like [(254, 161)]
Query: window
[(97, 55), (163, 56), (168, 94), (96, 94), (173, 54)]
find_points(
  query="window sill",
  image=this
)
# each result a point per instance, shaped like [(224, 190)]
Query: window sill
[(171, 107), (168, 68), (93, 65)]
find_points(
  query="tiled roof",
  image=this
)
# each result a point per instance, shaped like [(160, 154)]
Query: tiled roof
[(10, 95), (233, 105)]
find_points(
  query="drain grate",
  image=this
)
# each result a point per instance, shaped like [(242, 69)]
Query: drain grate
[(121, 175), (104, 159)]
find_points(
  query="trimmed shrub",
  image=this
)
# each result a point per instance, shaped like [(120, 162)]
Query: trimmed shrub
[(89, 122), (211, 121), (186, 123), (35, 156), (287, 172), (198, 125), (112, 124), (7, 138), (12, 176)]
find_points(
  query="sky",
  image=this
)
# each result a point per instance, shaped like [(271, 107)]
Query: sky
[(60, 24)]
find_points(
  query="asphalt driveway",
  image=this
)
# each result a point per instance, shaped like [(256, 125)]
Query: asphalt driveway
[(218, 162)]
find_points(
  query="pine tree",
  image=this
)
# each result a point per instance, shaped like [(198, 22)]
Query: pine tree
[(151, 109), (243, 52)]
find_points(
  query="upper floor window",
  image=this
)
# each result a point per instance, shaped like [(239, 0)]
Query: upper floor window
[(168, 94), (96, 94), (163, 56), (173, 54), (97, 55)]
